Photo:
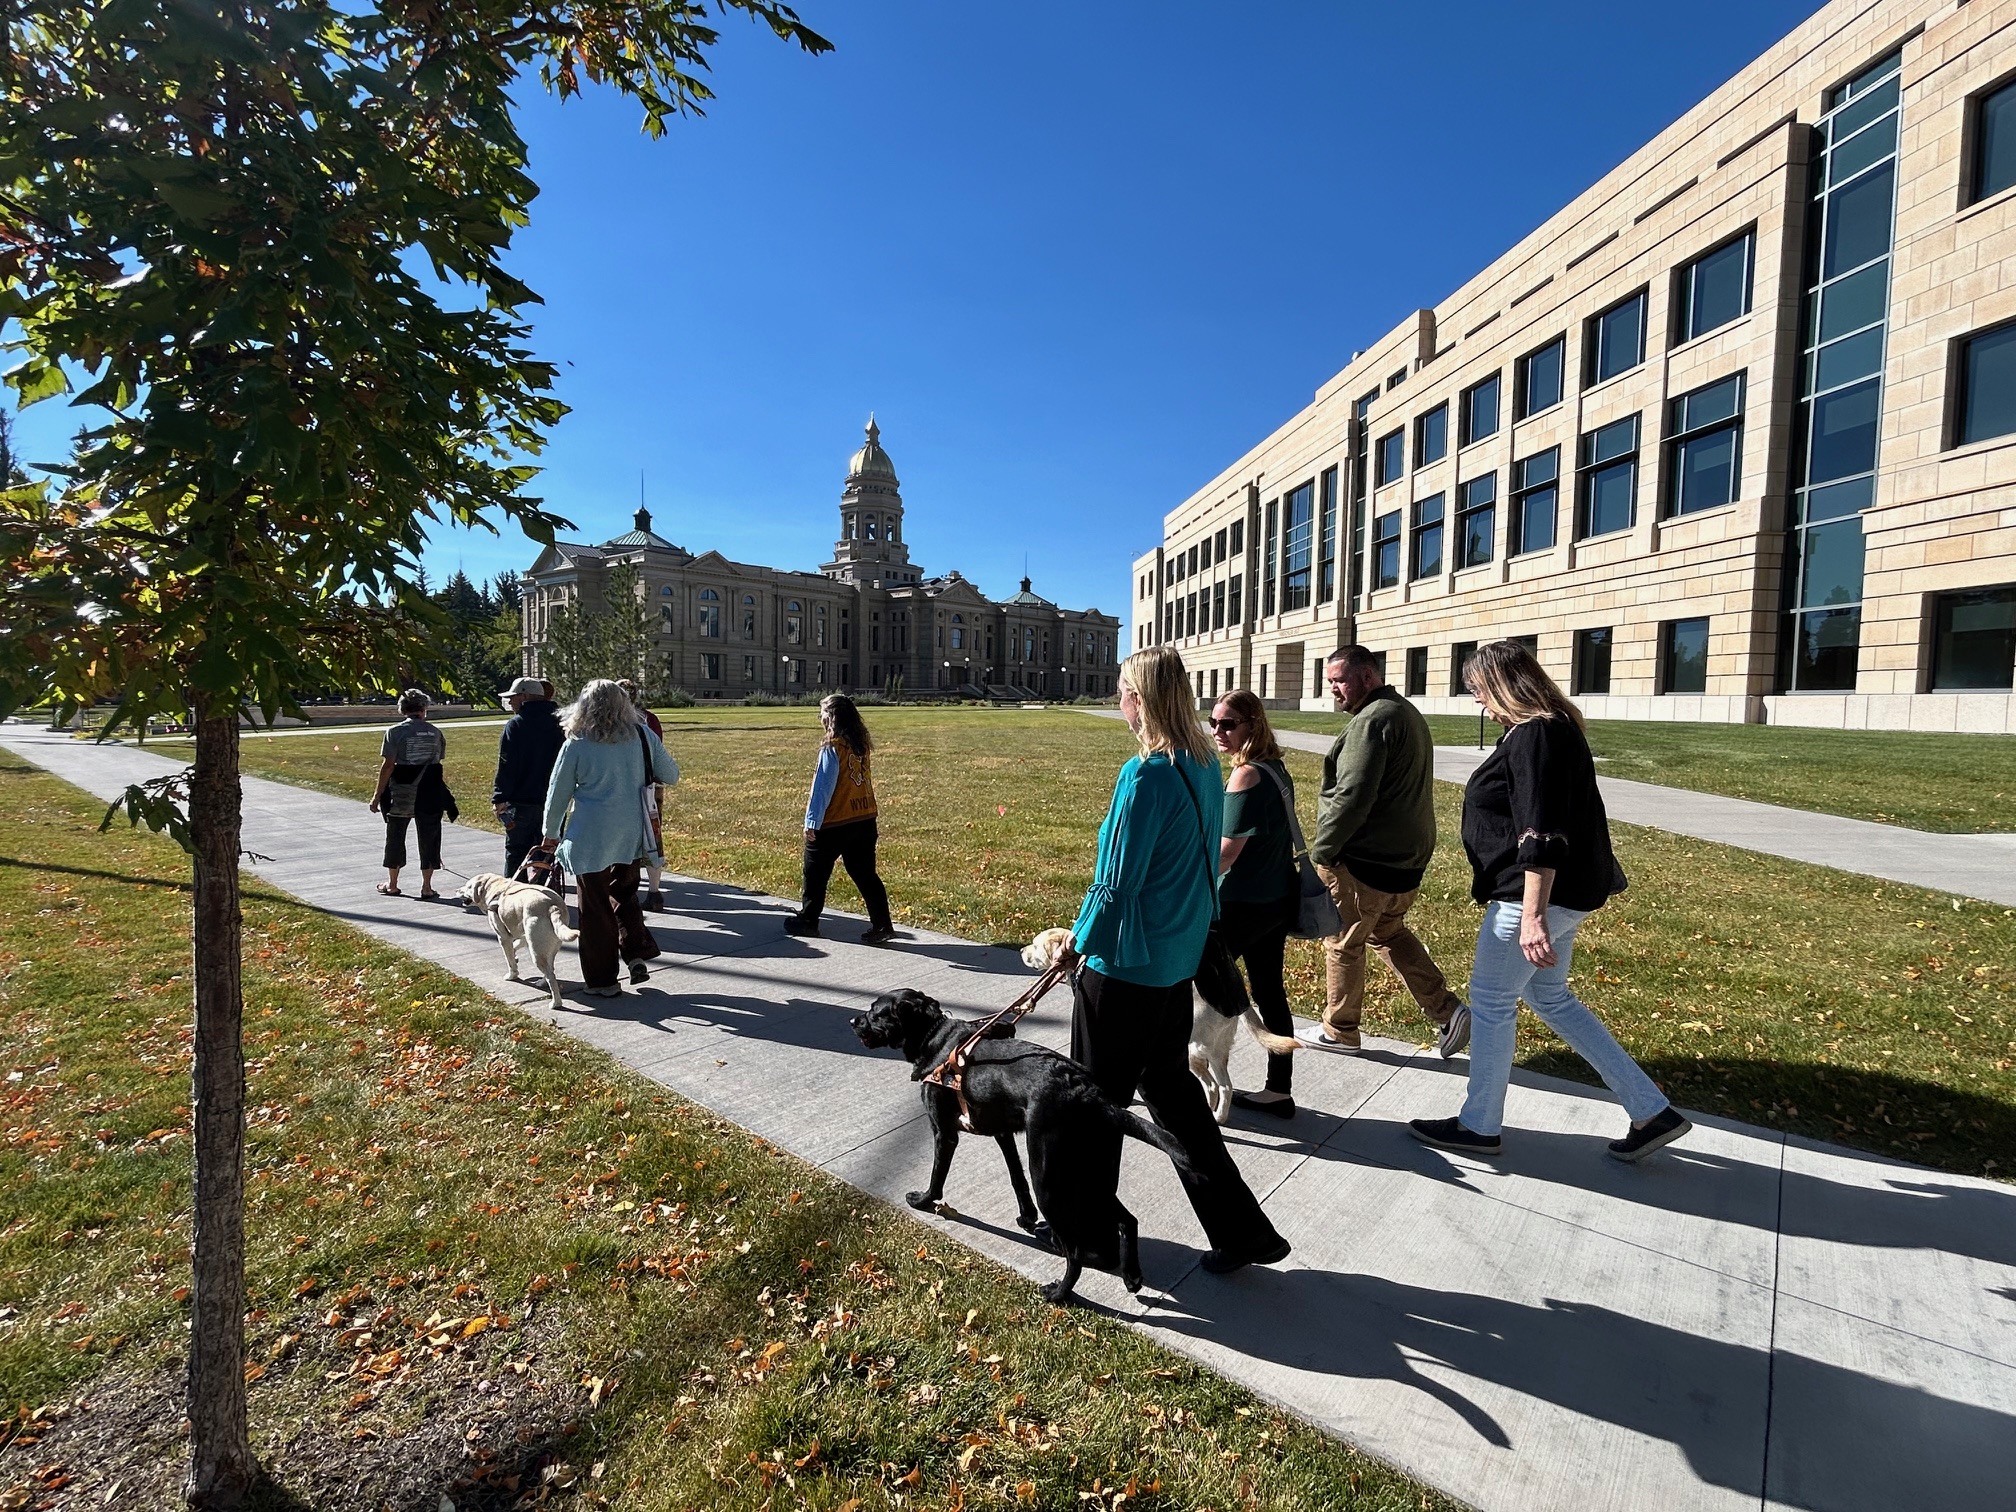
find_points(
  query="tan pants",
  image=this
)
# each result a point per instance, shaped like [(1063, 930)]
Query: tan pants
[(1377, 919)]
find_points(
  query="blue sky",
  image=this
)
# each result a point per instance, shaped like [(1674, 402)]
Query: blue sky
[(1076, 256)]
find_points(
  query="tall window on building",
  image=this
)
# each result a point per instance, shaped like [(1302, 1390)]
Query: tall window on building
[(1431, 436), (1386, 549), (1392, 456), (1238, 538), (1704, 467), (1994, 142), (1974, 640), (1417, 671), (1354, 580), (1268, 549), (1326, 538), (1476, 520), (1218, 547), (1190, 614), (1536, 497), (1479, 412), (1297, 528), (1609, 478), (1853, 178), (1232, 605), (1714, 289), (1459, 654), (749, 617), (1591, 671), (1218, 606), (1427, 555), (1683, 656), (1537, 379), (794, 622), (710, 666), (1987, 399), (1615, 342), (710, 614)]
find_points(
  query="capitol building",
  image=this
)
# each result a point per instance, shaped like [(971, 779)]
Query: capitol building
[(866, 620)]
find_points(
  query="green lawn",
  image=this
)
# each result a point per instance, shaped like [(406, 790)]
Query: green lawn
[(1950, 784), (486, 1262), (1788, 995)]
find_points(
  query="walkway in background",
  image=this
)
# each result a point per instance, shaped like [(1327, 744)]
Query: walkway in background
[(1747, 1320), (1974, 866)]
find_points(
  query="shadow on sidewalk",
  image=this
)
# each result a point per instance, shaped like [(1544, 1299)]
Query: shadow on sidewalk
[(1839, 1440)]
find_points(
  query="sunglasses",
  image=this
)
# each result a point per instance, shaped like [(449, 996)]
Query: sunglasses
[(1224, 724)]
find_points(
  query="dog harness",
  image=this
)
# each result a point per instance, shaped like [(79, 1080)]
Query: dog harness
[(951, 1072)]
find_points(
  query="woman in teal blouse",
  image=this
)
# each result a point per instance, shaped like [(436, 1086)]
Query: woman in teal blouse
[(1141, 932)]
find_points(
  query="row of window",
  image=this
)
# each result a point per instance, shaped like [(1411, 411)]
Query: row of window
[(1972, 648), (1709, 292)]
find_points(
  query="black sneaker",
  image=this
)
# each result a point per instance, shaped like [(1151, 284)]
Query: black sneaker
[(804, 928), (1449, 1134), (1656, 1135), (654, 902), (639, 972), (1221, 1262), (1260, 1102), (1454, 1037), (880, 934)]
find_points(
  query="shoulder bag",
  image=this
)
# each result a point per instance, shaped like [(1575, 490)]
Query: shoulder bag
[(1217, 978), (1316, 916)]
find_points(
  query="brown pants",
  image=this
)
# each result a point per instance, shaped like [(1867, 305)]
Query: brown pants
[(1377, 919), (612, 924)]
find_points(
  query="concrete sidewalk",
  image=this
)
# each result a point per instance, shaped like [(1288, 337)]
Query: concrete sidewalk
[(1746, 1321), (1974, 866)]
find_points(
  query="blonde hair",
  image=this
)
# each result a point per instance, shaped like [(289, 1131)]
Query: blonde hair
[(1259, 744), (601, 712), (1511, 681), (1169, 721)]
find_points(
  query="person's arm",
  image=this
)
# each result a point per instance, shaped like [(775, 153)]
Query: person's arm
[(559, 793), (663, 768), (825, 777), (1343, 807), (507, 762), (1534, 771), (1238, 827), (384, 782), (1110, 922)]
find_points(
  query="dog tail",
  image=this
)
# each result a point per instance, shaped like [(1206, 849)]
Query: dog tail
[(1136, 1127), (565, 935), (1272, 1043)]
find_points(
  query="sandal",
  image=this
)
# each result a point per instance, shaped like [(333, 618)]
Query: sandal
[(389, 890), (430, 897)]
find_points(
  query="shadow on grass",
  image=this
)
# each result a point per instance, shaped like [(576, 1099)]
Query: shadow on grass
[(104, 876), (1904, 1117)]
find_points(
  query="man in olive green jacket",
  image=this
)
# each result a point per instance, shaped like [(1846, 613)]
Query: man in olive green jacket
[(1375, 834)]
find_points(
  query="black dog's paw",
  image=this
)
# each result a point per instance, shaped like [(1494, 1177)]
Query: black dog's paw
[(1131, 1279), (924, 1202), (1029, 1223), (1057, 1293), (1046, 1236)]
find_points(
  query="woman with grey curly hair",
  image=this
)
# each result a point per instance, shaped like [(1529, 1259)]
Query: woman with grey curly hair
[(598, 821)]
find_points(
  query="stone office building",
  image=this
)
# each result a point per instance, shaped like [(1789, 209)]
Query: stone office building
[(867, 619), (1731, 437)]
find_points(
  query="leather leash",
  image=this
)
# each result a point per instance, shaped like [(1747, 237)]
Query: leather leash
[(951, 1072)]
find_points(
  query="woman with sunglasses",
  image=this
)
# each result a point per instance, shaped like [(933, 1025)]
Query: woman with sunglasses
[(1257, 892)]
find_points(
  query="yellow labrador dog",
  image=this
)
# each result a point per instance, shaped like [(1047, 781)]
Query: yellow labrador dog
[(1211, 1031), (523, 914)]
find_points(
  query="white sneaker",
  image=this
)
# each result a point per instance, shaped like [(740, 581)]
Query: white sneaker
[(1454, 1036), (1313, 1036)]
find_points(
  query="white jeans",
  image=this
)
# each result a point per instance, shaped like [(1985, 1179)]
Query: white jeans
[(1499, 977)]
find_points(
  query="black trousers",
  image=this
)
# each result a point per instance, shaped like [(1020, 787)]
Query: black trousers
[(1257, 933), (1134, 1038), (427, 826), (520, 835), (612, 924), (853, 845)]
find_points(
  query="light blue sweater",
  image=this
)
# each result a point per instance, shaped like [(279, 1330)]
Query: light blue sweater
[(1154, 892), (604, 785)]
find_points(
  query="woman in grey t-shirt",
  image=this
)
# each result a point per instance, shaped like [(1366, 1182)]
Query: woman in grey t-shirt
[(411, 789)]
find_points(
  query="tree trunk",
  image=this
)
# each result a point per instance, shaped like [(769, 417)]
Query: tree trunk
[(221, 1467)]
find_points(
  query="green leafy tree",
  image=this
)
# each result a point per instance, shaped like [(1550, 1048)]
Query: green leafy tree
[(570, 653), (12, 474), (269, 237), (629, 625)]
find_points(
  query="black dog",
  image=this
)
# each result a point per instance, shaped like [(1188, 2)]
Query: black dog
[(1073, 1128)]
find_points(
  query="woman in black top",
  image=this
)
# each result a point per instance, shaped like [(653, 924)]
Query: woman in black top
[(412, 790), (1258, 892), (1540, 858)]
